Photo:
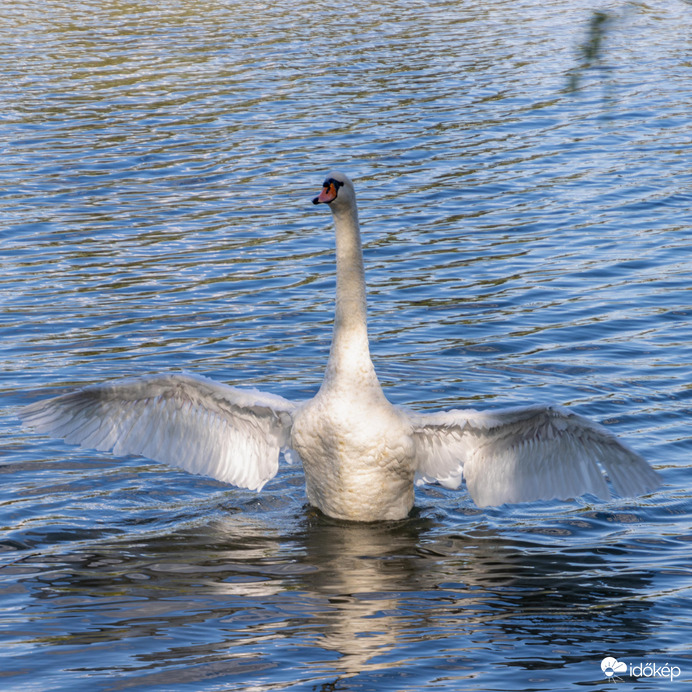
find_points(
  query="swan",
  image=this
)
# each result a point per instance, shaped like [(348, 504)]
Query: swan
[(361, 455)]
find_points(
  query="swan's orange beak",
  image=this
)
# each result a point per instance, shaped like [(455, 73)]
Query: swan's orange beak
[(327, 195)]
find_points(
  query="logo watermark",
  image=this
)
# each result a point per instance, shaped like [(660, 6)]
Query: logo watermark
[(611, 667), (614, 670)]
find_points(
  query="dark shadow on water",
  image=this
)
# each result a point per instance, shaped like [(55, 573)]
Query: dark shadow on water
[(593, 55), (245, 596)]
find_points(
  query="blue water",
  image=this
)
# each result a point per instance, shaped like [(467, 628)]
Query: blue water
[(527, 217)]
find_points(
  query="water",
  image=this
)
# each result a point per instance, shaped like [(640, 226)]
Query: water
[(524, 243)]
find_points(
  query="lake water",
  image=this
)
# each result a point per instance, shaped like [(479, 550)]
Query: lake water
[(527, 218)]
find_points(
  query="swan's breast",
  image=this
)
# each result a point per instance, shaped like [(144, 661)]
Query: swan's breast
[(358, 457)]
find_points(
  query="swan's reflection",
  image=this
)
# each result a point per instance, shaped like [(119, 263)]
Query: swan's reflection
[(348, 597), (364, 570)]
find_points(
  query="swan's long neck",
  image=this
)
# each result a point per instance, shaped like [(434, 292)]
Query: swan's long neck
[(349, 358)]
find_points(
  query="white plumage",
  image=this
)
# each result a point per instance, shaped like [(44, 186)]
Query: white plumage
[(360, 453), (234, 435)]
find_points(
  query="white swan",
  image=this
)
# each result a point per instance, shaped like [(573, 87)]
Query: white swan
[(361, 454)]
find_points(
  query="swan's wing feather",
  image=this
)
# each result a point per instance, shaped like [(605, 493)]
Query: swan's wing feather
[(233, 435), (524, 454)]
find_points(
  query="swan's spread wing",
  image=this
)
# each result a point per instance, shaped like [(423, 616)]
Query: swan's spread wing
[(233, 435), (524, 454)]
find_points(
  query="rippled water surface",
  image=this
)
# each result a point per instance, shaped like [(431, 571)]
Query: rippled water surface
[(527, 217)]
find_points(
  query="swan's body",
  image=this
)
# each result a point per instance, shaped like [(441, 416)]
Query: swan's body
[(360, 453)]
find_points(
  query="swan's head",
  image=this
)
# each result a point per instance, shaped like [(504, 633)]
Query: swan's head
[(337, 192)]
